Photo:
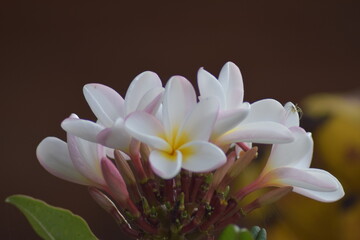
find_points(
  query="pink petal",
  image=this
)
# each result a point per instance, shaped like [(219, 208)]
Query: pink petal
[(115, 137), (209, 86), (179, 100), (311, 179), (295, 154), (201, 156), (257, 132), (106, 103), (53, 155), (141, 84), (114, 180), (232, 82), (322, 196), (86, 158), (147, 129), (165, 165)]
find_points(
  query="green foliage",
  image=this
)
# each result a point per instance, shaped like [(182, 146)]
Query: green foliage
[(51, 223), (233, 232)]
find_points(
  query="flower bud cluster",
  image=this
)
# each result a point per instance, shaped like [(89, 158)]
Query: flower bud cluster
[(162, 161)]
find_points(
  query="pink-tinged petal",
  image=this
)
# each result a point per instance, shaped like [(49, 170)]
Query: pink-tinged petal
[(209, 86), (151, 101), (179, 100), (322, 196), (115, 137), (165, 165), (295, 154), (232, 82), (311, 179), (266, 110), (201, 156), (86, 157), (106, 103), (292, 118), (114, 180), (257, 132), (229, 119), (53, 155), (141, 84), (147, 129), (200, 122), (85, 129)]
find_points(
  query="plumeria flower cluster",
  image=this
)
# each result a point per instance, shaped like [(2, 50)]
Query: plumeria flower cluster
[(163, 160)]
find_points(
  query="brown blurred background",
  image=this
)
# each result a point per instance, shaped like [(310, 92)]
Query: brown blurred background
[(49, 50)]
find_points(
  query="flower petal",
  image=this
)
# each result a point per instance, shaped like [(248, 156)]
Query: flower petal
[(200, 122), (115, 137), (141, 84), (229, 119), (106, 103), (151, 101), (53, 155), (179, 100), (209, 86), (292, 118), (257, 132), (147, 129), (322, 196), (84, 129), (295, 154), (266, 110), (308, 178), (201, 156), (232, 82), (86, 157), (164, 164)]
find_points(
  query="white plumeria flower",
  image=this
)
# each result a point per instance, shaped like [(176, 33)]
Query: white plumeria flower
[(144, 94), (76, 161), (238, 121), (180, 138), (289, 165)]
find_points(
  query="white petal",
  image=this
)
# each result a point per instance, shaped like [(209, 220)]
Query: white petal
[(86, 158), (85, 129), (322, 196), (165, 165), (199, 124), (151, 101), (115, 137), (209, 86), (311, 179), (141, 84), (201, 156), (266, 110), (147, 129), (179, 100), (106, 103), (257, 132), (54, 156), (295, 154), (229, 119), (291, 115), (232, 82)]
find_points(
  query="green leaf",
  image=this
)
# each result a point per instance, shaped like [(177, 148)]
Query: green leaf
[(258, 233), (51, 223), (233, 232)]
